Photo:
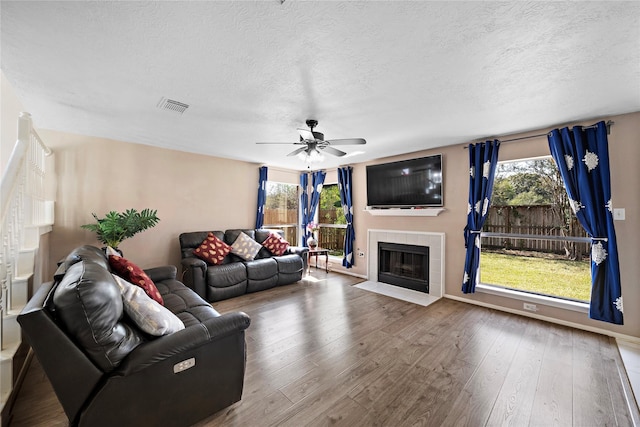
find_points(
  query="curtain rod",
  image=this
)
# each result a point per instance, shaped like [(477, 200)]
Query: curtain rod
[(609, 124)]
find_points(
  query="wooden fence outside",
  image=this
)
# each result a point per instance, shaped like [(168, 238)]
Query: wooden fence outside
[(280, 216), (284, 219), (331, 238), (536, 220)]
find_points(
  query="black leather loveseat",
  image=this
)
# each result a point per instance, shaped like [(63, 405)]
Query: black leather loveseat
[(108, 372), (234, 276)]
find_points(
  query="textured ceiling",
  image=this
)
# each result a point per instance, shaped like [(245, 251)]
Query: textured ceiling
[(405, 76)]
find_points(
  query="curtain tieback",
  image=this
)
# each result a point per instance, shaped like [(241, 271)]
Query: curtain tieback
[(475, 232)]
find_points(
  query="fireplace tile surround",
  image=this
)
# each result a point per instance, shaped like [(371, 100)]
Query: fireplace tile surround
[(435, 242)]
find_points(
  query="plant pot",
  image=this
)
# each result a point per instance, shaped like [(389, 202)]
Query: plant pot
[(104, 249), (313, 243)]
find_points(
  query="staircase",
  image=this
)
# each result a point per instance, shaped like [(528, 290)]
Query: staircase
[(26, 206)]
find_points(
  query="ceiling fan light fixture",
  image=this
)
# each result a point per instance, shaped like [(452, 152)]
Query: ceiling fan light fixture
[(311, 155), (313, 146)]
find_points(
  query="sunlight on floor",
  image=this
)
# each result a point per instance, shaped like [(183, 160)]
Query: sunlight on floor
[(310, 278)]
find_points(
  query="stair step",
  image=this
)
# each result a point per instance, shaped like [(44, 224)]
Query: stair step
[(25, 263), (30, 236), (11, 333), (6, 369), (19, 291)]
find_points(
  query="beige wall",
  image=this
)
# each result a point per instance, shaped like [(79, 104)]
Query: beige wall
[(194, 192), (189, 191), (624, 147)]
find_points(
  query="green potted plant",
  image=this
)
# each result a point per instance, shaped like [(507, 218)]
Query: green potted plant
[(117, 226)]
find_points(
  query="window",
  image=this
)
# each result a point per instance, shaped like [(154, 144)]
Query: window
[(281, 209), (532, 242), (331, 220)]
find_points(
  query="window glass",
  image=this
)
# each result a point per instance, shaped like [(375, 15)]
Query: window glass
[(281, 209), (531, 240), (331, 220)]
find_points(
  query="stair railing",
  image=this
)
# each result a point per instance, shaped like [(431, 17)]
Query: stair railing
[(23, 203)]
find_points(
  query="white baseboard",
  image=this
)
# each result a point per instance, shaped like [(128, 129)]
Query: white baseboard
[(615, 335)]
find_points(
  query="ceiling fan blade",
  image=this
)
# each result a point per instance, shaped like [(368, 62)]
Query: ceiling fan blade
[(296, 152), (347, 141), (306, 134), (331, 150), (288, 143)]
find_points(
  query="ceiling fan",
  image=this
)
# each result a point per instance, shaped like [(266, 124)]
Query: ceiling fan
[(313, 144)]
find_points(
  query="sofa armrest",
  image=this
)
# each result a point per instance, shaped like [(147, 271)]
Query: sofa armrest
[(194, 275), (165, 272), (299, 250), (184, 341)]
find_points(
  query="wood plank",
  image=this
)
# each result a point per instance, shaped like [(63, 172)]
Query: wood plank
[(321, 352), (474, 404), (515, 401), (553, 403), (591, 399)]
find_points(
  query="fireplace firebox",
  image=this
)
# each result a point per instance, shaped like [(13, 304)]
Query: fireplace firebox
[(404, 265)]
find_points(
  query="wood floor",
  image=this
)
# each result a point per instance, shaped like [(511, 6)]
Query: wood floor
[(322, 352)]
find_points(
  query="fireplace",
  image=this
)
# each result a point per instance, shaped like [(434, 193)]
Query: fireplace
[(433, 240), (404, 265)]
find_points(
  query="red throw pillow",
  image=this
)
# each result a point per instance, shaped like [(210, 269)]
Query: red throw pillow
[(212, 250), (276, 244), (134, 274)]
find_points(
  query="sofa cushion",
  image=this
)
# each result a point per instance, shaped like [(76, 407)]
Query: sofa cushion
[(212, 249), (89, 304), (184, 303), (134, 274), (145, 312), (261, 269), (289, 263), (222, 276), (276, 244), (245, 247)]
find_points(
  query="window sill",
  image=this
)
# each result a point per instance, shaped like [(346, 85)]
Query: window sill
[(581, 307)]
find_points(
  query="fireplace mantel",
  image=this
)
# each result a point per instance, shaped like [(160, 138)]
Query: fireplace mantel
[(405, 212), (435, 242)]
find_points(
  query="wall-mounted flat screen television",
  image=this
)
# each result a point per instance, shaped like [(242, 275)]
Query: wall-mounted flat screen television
[(407, 183)]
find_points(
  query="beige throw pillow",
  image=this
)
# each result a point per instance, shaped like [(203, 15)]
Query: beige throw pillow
[(245, 247), (146, 313)]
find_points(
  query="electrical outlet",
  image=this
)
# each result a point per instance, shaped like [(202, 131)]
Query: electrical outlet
[(618, 214), (530, 307)]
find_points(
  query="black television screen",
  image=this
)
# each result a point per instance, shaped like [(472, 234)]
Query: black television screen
[(408, 183)]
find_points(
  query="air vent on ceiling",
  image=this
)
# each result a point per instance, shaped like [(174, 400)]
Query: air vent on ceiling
[(171, 105)]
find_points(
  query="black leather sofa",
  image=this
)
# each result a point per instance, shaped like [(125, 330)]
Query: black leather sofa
[(234, 276), (107, 372)]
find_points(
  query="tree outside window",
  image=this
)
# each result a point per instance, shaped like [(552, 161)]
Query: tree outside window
[(281, 209), (331, 220), (531, 240)]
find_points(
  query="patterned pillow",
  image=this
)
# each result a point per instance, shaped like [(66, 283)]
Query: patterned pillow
[(212, 250), (134, 274), (145, 312), (245, 247), (276, 244)]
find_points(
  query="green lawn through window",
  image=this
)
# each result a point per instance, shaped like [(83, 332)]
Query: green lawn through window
[(556, 277)]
